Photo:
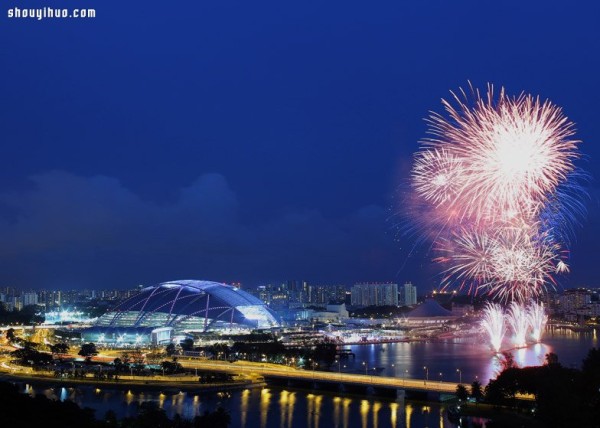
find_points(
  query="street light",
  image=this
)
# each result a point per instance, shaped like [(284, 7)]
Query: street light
[(440, 378), (366, 367), (459, 375), (426, 375), (394, 369), (404, 377)]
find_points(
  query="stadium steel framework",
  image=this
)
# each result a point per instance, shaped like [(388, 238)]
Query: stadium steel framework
[(158, 313)]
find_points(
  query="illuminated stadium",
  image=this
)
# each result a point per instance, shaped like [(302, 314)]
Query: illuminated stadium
[(175, 308)]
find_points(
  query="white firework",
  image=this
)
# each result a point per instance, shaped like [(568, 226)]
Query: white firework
[(493, 323), (537, 320), (519, 323)]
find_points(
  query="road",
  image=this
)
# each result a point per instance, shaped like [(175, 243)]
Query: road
[(266, 369)]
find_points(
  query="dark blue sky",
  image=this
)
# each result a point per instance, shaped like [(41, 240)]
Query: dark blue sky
[(255, 141)]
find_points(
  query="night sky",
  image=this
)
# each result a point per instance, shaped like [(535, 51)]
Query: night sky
[(257, 141)]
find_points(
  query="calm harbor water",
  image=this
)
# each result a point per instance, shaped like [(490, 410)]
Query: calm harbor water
[(281, 408), (472, 356)]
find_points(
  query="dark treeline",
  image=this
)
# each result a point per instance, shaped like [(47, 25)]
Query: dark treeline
[(263, 347), (274, 351), (28, 315), (564, 397), (19, 410)]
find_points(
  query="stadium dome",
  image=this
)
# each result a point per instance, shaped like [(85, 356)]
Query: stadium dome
[(179, 307)]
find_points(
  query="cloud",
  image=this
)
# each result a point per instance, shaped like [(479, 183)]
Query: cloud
[(72, 231)]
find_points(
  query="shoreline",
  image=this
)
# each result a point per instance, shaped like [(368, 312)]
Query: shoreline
[(128, 384)]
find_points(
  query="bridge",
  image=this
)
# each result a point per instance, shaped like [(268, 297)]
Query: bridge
[(371, 384)]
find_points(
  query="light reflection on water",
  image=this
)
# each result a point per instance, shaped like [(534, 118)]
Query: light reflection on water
[(243, 406), (409, 412), (393, 414), (267, 408), (364, 412), (265, 399), (347, 402), (277, 408), (376, 408), (472, 355)]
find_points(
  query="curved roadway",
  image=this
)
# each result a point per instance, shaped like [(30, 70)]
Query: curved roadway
[(275, 370)]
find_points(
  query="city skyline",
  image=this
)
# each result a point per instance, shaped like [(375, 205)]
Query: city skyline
[(258, 143)]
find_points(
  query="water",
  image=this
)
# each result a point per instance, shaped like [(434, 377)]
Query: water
[(266, 408), (280, 408), (465, 359)]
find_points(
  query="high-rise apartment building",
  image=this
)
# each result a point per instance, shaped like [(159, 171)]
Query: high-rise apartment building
[(575, 299), (298, 292), (408, 294), (29, 299), (374, 294)]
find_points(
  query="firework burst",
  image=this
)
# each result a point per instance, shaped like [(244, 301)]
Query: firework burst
[(494, 181), (510, 154), (437, 174), (511, 263)]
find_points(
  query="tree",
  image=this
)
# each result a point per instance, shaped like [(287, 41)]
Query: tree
[(171, 367), (21, 410), (10, 334), (88, 350), (110, 418), (221, 350), (29, 344), (59, 348), (591, 363), (151, 416), (461, 392), (137, 357), (220, 418), (187, 345), (29, 355), (508, 361), (325, 352), (590, 382), (119, 365), (170, 349), (155, 357), (476, 391), (552, 360)]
